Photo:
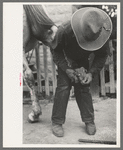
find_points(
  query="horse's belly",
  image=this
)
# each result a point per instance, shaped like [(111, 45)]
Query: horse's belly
[(31, 44), (29, 41)]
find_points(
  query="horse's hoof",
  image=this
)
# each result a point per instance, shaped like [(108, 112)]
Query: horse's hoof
[(32, 118), (33, 121)]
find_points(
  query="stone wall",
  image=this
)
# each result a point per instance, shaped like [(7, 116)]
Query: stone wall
[(59, 13)]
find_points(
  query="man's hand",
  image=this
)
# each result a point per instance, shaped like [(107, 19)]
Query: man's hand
[(83, 76), (87, 79), (81, 73), (72, 75)]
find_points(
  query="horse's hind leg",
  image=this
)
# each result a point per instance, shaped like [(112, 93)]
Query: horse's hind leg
[(27, 74), (36, 109), (29, 81)]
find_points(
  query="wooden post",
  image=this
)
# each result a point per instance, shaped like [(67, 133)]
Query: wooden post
[(107, 85), (111, 69), (37, 50), (102, 81), (94, 86), (46, 71), (53, 75)]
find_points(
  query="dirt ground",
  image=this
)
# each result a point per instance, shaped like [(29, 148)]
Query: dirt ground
[(74, 128)]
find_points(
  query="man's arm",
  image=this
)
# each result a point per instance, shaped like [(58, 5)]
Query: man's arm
[(99, 59), (57, 53), (60, 59)]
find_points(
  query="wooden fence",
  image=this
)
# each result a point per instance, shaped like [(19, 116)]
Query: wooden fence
[(111, 62), (47, 74), (99, 86)]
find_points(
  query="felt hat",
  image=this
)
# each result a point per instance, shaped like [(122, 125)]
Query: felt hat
[(92, 27)]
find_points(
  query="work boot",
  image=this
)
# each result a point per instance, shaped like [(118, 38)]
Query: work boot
[(90, 128), (57, 130)]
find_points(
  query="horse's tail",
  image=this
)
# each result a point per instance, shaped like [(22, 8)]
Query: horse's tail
[(38, 19)]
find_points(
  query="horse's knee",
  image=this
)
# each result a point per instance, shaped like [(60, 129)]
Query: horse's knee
[(29, 78)]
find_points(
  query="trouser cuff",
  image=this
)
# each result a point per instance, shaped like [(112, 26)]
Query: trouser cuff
[(88, 120)]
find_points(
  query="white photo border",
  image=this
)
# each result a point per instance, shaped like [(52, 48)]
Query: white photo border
[(12, 52)]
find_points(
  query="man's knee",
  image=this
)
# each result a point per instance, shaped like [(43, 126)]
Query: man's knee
[(82, 88), (64, 83), (62, 88)]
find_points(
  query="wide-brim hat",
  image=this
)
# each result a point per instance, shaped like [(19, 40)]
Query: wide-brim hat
[(92, 27)]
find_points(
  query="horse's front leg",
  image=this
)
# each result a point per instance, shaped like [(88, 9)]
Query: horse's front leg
[(30, 82)]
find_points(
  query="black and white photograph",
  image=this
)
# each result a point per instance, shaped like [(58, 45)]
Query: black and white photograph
[(63, 71)]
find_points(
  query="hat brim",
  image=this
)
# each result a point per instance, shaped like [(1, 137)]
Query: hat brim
[(104, 35)]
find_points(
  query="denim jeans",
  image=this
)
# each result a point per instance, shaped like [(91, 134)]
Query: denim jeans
[(83, 99)]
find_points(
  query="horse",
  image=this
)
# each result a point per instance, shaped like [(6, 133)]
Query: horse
[(37, 26)]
